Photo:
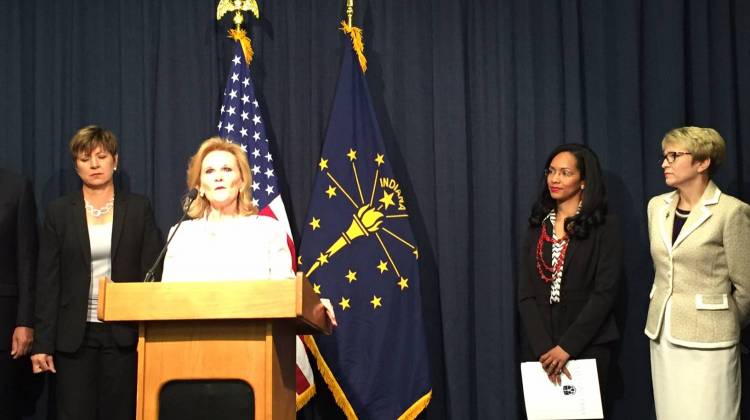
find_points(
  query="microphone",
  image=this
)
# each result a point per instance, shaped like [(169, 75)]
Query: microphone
[(189, 198)]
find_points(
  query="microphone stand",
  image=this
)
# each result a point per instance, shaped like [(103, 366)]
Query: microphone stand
[(151, 273)]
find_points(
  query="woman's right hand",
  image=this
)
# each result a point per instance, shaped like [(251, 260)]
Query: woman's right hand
[(42, 362)]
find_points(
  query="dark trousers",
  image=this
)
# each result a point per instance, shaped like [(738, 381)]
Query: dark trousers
[(11, 372), (98, 381)]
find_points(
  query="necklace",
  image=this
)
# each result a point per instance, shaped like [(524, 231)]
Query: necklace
[(542, 267), (102, 211)]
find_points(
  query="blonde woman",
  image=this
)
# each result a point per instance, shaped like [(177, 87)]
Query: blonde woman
[(700, 298)]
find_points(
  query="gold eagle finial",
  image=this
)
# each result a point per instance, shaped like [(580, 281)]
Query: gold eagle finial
[(237, 6)]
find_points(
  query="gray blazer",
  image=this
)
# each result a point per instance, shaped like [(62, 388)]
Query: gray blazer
[(706, 272)]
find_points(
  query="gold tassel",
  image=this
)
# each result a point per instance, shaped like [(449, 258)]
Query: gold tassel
[(240, 36), (412, 412), (338, 394), (304, 398), (333, 385), (357, 43)]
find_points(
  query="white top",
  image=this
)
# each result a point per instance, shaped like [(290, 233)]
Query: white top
[(232, 249), (100, 240)]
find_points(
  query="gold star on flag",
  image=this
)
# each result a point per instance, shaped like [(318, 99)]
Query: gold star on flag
[(379, 159), (316, 288), (323, 164), (387, 200), (352, 155), (344, 303), (404, 283), (315, 223), (383, 266), (331, 191), (375, 302), (352, 276), (323, 258), (299, 259)]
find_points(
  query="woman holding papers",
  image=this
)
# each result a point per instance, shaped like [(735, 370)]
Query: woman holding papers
[(89, 234), (700, 299), (570, 267)]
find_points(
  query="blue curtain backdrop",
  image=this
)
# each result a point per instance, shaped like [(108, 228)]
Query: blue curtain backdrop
[(470, 95)]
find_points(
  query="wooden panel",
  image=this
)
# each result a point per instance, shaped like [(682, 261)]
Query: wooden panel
[(216, 350), (198, 300)]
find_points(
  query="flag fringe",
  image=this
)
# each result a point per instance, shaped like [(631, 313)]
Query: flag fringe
[(412, 412), (357, 43), (305, 396), (240, 36), (333, 385), (338, 394)]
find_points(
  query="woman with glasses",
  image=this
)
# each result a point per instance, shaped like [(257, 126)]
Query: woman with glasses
[(570, 267), (700, 298)]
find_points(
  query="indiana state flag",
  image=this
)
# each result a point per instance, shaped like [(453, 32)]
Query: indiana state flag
[(358, 250)]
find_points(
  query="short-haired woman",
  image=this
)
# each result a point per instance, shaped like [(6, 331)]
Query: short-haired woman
[(88, 234), (700, 298)]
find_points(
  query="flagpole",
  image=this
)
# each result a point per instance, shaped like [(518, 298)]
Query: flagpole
[(349, 11)]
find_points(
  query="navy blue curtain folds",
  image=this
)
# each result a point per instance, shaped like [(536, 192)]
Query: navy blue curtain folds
[(470, 97)]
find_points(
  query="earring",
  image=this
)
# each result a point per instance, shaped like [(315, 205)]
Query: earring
[(115, 169), (582, 186)]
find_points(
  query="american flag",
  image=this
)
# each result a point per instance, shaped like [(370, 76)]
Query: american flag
[(241, 122)]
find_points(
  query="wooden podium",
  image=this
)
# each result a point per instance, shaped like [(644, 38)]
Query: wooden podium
[(240, 330)]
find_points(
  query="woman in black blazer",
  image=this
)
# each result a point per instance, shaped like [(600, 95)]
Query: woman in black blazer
[(86, 235), (570, 267)]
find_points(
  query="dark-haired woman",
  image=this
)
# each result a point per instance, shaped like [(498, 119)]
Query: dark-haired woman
[(89, 234), (570, 267)]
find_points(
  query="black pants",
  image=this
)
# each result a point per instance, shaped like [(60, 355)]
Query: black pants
[(11, 387), (98, 381)]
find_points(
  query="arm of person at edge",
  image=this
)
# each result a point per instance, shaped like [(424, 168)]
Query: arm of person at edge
[(151, 245), (47, 297), (26, 245), (597, 309), (736, 241)]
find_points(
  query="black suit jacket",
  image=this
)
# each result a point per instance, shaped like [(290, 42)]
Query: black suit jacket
[(64, 267), (18, 246), (591, 280)]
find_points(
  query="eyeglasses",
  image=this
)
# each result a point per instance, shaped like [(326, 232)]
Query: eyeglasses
[(671, 156), (565, 173)]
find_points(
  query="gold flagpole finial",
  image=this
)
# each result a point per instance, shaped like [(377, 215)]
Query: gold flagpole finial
[(238, 34), (237, 6), (349, 11)]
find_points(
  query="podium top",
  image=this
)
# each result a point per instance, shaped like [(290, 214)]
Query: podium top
[(258, 299)]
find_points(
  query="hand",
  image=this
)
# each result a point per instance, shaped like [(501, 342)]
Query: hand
[(553, 362), (329, 311), (21, 342), (42, 362)]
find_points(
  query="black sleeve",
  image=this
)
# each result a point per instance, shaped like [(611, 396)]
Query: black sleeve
[(533, 325), (48, 287), (602, 298), (26, 243)]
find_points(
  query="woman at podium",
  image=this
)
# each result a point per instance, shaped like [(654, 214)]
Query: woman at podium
[(570, 267), (226, 239), (97, 231)]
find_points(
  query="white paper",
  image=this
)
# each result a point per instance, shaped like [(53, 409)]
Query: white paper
[(576, 398)]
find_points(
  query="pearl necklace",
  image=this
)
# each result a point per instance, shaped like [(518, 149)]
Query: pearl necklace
[(102, 211)]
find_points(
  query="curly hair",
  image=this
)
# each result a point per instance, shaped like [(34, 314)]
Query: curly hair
[(593, 210)]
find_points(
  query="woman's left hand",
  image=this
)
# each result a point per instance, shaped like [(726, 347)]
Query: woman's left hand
[(329, 311), (553, 362)]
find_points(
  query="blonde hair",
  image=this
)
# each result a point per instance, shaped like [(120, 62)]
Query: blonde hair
[(245, 199), (89, 138), (702, 143)]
